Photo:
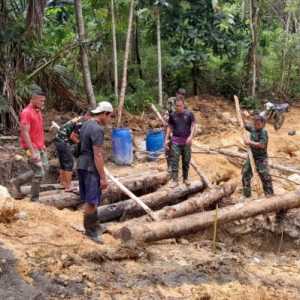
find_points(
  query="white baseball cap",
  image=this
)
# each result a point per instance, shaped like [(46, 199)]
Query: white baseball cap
[(103, 106)]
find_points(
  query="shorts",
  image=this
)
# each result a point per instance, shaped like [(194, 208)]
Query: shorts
[(41, 167), (89, 186), (65, 156)]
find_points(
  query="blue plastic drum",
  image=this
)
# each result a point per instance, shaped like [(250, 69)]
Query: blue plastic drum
[(155, 143), (122, 146)]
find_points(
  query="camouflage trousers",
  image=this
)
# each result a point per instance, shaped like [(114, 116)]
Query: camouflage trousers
[(168, 153), (264, 174), (178, 151)]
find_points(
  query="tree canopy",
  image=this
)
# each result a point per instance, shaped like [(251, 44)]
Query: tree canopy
[(244, 47)]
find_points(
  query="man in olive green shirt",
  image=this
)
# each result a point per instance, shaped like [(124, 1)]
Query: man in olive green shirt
[(258, 143)]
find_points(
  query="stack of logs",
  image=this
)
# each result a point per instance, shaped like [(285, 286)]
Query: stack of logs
[(179, 211)]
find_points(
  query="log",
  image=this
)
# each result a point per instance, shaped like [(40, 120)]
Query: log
[(131, 181), (193, 223), (244, 156), (46, 187), (61, 199), (131, 195), (155, 201), (196, 203)]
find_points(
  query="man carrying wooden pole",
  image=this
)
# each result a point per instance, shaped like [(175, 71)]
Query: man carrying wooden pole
[(257, 162), (258, 142)]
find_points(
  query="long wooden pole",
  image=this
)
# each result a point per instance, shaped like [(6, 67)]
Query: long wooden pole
[(159, 116), (202, 176), (258, 183), (131, 195)]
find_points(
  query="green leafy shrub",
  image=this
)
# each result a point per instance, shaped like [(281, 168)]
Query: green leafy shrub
[(251, 103)]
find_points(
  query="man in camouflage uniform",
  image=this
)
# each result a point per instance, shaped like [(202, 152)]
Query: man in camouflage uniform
[(181, 127), (258, 142), (171, 108), (66, 140)]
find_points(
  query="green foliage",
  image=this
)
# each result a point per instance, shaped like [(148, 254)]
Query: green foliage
[(251, 103), (140, 100), (3, 104), (205, 44)]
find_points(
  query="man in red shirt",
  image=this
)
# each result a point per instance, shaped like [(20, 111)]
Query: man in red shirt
[(32, 140)]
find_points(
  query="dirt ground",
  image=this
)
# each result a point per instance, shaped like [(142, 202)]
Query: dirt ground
[(46, 258)]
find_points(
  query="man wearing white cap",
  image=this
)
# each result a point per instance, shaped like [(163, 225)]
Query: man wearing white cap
[(91, 175)]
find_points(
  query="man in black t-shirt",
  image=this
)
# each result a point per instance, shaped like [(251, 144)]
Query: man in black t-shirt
[(91, 175), (181, 126), (171, 108)]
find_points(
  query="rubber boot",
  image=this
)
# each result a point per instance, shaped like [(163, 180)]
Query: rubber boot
[(90, 223), (18, 182), (35, 190)]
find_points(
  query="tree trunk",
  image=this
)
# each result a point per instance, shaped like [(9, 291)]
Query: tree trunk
[(197, 203), (285, 51), (254, 13), (125, 67), (137, 48), (34, 18), (61, 199), (84, 55), (192, 205), (115, 50), (193, 223), (157, 200), (160, 83), (195, 79)]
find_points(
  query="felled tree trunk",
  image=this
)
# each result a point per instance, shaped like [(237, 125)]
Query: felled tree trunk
[(196, 203), (192, 205), (157, 200), (61, 199), (134, 182), (193, 223)]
